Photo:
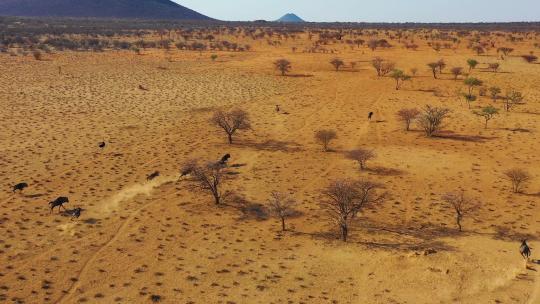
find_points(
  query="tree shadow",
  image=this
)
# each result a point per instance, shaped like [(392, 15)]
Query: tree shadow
[(521, 130), (273, 145), (459, 137), (509, 235), (383, 171), (532, 269), (498, 72), (537, 194), (423, 238), (429, 246), (527, 112), (34, 195), (299, 75), (249, 210), (91, 221)]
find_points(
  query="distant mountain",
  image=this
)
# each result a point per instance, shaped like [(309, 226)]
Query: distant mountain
[(290, 18), (140, 9)]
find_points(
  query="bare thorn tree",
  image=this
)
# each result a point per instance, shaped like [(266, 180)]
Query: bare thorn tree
[(457, 71), (281, 206), (512, 99), (324, 137), (381, 66), (408, 116), (461, 204), (283, 65), (431, 120), (494, 66), (518, 177), (231, 122), (346, 198), (361, 156), (207, 177)]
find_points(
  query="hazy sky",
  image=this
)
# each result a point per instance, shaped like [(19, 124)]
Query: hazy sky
[(371, 10)]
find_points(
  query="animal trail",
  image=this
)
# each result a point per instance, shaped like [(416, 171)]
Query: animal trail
[(132, 191)]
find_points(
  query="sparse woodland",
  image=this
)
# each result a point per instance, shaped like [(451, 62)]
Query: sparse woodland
[(291, 157)]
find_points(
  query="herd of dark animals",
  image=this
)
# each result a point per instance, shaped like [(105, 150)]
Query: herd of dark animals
[(524, 249)]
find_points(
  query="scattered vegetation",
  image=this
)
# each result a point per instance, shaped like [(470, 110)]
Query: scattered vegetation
[(518, 178), (324, 137), (407, 116), (361, 156), (432, 118), (231, 122), (281, 206), (347, 198), (283, 65), (461, 205)]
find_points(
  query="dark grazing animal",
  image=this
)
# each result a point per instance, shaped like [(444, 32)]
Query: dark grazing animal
[(152, 176), (277, 108), (225, 159), (59, 202), (73, 213), (20, 187), (370, 115), (102, 144), (525, 250), (142, 88)]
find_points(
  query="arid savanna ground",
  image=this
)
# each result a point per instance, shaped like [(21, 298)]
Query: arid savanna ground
[(140, 241)]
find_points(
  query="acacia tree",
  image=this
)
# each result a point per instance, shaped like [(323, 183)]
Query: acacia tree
[(283, 65), (207, 177), (346, 198), (456, 71), (478, 49), (472, 63), (407, 116), (399, 76), (431, 120), (512, 99), (37, 55), (361, 156), (469, 99), (461, 204), (505, 51), (494, 93), (373, 44), (281, 206), (518, 177), (472, 82), (231, 122), (337, 63), (381, 66), (324, 137), (433, 66), (494, 66), (487, 113), (441, 65)]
